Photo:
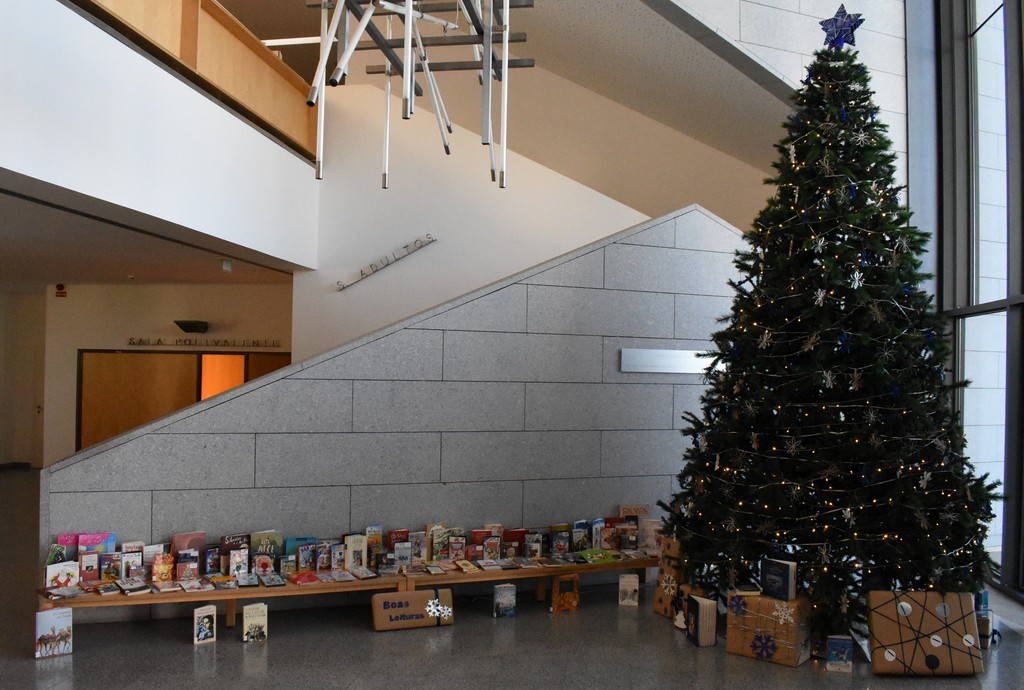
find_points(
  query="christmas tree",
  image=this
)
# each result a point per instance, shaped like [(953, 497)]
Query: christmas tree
[(827, 435)]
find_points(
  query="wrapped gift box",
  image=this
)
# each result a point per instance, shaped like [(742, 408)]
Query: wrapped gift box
[(769, 629), (923, 633), (668, 593), (422, 608)]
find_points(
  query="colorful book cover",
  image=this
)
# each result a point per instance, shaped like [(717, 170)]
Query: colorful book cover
[(271, 579), (211, 561), (303, 577), (133, 546), (188, 540), (70, 544), (254, 623), (337, 556), (403, 556), (504, 601), (397, 536), (701, 620), (839, 653), (534, 546), (64, 574), (163, 567), (609, 538), (494, 528), (477, 536), (355, 551), (374, 541), (474, 552), (434, 536), (97, 542), (306, 557), (129, 562), (58, 554), (565, 593), (627, 536), (238, 562), (89, 566), (492, 547), (270, 542), (292, 544), (186, 571), (287, 565), (778, 579), (53, 632), (580, 539), (560, 540), (629, 589), (456, 548), (262, 563), (418, 541), (510, 549), (227, 544), (323, 554), (204, 624), (151, 551), (133, 585)]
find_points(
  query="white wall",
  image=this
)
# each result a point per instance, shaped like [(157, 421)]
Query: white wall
[(21, 377), (96, 117), (484, 233), (785, 33), (105, 317)]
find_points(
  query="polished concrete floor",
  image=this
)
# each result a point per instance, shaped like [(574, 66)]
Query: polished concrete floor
[(601, 646)]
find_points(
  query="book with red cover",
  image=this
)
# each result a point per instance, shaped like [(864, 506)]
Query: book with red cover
[(477, 536), (229, 543), (396, 536), (304, 577), (515, 535), (89, 566), (188, 540)]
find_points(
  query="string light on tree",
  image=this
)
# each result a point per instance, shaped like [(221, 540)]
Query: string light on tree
[(826, 435)]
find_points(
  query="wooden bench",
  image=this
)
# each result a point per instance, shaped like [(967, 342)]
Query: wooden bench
[(396, 583)]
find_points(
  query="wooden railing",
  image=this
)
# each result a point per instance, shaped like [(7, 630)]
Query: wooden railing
[(201, 41)]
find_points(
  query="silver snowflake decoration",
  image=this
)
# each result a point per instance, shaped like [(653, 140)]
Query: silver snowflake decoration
[(842, 195), (749, 408), (875, 440), (887, 354), (730, 525), (860, 138), (668, 585), (792, 154), (765, 340), (793, 445), (903, 245), (848, 516), (434, 608), (811, 343), (925, 478), (819, 297), (783, 614), (794, 491), (828, 378), (825, 166), (949, 515), (871, 417), (687, 509), (831, 472), (825, 554), (857, 279), (819, 245)]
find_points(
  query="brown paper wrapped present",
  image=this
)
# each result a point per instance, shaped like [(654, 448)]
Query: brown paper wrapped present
[(422, 608), (923, 633), (769, 629), (668, 594)]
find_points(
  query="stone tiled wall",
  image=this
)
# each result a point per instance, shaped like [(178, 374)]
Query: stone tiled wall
[(505, 406)]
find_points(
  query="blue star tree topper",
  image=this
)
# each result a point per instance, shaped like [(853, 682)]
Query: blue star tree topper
[(839, 29)]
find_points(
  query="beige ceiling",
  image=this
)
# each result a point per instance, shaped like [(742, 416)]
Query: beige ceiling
[(622, 50)]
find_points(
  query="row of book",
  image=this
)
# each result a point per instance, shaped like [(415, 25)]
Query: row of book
[(268, 557)]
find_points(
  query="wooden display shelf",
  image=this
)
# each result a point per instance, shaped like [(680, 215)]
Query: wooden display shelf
[(540, 574), (230, 597)]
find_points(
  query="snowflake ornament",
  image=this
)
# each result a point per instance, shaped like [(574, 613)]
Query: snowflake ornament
[(819, 297), (925, 478), (949, 515), (848, 516), (765, 340), (763, 646), (828, 378), (434, 608), (819, 245), (856, 280), (668, 585), (793, 445), (860, 138), (737, 605), (825, 554), (783, 614)]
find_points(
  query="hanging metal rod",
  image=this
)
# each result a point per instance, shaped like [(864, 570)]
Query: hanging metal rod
[(457, 66), (444, 41), (374, 33), (430, 7)]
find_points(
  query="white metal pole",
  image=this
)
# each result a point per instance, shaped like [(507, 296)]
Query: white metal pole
[(504, 93), (435, 94), (325, 47), (485, 97), (407, 76), (387, 117), (350, 49), (325, 50)]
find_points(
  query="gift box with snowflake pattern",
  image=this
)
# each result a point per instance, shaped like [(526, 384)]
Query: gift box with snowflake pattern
[(668, 596), (769, 629), (422, 608)]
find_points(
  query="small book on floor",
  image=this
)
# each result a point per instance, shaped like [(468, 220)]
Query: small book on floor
[(701, 620)]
